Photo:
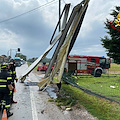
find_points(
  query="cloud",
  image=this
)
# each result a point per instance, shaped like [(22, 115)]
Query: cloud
[(32, 32), (8, 38), (91, 50)]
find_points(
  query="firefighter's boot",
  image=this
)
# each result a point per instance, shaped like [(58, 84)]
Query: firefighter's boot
[(9, 114)]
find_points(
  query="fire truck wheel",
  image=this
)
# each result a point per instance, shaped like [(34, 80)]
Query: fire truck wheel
[(98, 73)]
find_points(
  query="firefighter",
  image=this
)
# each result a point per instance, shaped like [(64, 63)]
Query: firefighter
[(14, 77), (5, 88)]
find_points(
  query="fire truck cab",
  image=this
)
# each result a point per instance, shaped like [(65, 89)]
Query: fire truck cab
[(93, 65)]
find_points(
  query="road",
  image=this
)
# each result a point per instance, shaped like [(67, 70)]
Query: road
[(34, 105)]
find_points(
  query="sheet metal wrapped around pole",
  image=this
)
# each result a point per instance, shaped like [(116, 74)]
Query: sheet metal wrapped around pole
[(65, 29), (52, 43), (76, 32), (62, 56), (35, 63), (63, 36)]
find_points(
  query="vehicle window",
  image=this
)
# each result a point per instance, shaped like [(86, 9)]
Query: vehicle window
[(102, 63), (108, 63), (93, 60), (102, 60)]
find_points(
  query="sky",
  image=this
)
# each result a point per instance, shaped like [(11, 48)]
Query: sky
[(29, 25)]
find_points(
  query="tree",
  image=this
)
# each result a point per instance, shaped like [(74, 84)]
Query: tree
[(112, 42), (4, 55), (46, 60), (21, 56)]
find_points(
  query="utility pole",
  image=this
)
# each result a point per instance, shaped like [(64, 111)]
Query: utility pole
[(10, 51), (59, 14)]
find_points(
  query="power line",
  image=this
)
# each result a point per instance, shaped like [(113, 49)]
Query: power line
[(28, 11)]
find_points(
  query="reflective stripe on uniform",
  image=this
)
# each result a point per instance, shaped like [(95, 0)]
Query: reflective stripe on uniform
[(12, 72), (3, 67), (1, 80), (7, 106), (8, 78), (3, 102), (2, 85)]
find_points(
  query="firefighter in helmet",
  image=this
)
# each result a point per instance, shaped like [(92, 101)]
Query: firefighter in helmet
[(5, 88), (14, 77)]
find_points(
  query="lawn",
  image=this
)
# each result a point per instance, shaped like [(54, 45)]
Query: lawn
[(114, 67), (98, 107), (105, 85)]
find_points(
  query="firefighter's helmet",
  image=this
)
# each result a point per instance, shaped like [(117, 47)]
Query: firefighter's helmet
[(11, 61), (4, 66)]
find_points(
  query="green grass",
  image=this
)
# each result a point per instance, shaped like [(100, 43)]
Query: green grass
[(114, 67), (101, 108), (102, 85)]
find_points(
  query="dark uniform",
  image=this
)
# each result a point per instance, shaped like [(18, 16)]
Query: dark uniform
[(5, 93), (14, 77)]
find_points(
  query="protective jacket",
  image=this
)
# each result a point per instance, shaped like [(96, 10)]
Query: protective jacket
[(13, 73), (5, 80), (14, 77)]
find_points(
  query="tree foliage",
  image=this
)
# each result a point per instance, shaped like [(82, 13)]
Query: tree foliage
[(4, 55), (45, 60), (21, 56), (112, 42)]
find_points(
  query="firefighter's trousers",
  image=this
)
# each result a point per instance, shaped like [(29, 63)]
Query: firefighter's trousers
[(5, 99), (12, 92)]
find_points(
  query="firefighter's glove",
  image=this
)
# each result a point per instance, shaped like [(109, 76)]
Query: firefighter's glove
[(10, 92)]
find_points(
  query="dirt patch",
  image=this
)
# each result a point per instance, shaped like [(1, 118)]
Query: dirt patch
[(73, 113), (113, 72)]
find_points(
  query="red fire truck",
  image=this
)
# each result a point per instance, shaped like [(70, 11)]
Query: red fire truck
[(42, 67), (87, 64)]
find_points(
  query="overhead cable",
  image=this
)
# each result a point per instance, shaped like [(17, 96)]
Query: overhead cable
[(28, 11)]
